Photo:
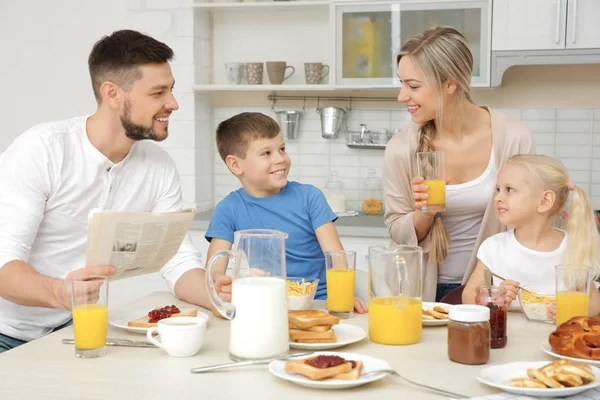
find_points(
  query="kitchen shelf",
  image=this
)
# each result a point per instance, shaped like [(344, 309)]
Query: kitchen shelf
[(255, 88), (288, 5)]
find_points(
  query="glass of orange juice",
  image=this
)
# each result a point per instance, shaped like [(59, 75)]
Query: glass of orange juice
[(572, 291), (340, 276), (90, 315), (395, 294), (431, 166)]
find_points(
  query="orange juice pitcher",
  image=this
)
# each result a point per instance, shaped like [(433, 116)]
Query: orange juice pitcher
[(395, 294)]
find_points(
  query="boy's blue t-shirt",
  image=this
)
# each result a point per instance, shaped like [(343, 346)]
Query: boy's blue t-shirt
[(297, 210)]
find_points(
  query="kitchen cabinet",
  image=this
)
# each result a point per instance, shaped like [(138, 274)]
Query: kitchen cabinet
[(529, 25), (357, 40), (583, 24), (368, 37), (545, 24)]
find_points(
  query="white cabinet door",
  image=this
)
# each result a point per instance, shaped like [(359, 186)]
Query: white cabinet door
[(529, 24), (583, 24)]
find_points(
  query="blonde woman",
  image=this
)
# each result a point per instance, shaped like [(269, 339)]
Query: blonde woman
[(435, 69), (531, 193)]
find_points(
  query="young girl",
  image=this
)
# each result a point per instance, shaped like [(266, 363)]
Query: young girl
[(531, 192)]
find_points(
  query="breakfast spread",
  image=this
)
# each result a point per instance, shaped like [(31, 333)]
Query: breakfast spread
[(159, 313), (325, 367), (437, 312), (312, 326), (469, 334), (556, 375), (579, 337)]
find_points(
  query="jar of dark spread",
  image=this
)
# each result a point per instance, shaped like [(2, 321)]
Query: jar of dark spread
[(469, 334), (495, 299)]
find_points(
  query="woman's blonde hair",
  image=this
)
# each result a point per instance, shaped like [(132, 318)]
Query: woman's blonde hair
[(583, 241), (442, 54)]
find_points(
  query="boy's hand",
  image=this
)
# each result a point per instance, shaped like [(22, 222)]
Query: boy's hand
[(223, 288), (359, 306), (512, 287), (551, 311)]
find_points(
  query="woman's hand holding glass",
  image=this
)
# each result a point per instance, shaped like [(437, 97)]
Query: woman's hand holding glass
[(420, 194)]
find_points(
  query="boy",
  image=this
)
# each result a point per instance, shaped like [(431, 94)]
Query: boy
[(253, 149)]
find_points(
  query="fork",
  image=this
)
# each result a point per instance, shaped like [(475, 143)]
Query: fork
[(433, 389), (522, 288)]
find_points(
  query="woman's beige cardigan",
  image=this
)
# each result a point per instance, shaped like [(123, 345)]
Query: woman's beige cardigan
[(509, 137)]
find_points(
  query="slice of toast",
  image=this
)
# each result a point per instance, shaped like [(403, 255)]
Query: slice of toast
[(316, 374), (144, 321), (308, 318), (329, 340), (316, 328), (354, 373), (300, 336)]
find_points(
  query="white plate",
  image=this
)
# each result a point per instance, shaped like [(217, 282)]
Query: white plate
[(277, 368), (499, 376), (435, 322), (120, 319), (345, 333), (546, 348)]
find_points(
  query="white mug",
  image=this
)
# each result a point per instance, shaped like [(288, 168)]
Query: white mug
[(179, 336)]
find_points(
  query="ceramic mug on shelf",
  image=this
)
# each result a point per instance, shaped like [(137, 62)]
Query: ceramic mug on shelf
[(313, 72), (235, 72), (254, 71), (276, 71)]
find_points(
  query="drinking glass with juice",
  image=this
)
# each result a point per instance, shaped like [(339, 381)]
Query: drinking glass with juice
[(395, 293), (572, 291), (431, 166), (90, 315), (341, 278)]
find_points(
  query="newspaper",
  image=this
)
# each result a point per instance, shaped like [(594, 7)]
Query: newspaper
[(135, 243)]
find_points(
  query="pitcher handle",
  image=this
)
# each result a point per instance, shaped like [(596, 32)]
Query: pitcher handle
[(227, 310), (402, 269)]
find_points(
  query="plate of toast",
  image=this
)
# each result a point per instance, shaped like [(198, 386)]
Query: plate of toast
[(329, 370), (541, 379), (547, 348), (319, 330), (139, 320), (435, 314)]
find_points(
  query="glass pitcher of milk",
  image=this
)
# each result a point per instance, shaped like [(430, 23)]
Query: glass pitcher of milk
[(258, 308)]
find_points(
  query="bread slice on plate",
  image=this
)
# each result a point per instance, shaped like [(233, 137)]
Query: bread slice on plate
[(144, 321), (316, 374), (354, 373), (316, 328), (308, 318), (312, 337)]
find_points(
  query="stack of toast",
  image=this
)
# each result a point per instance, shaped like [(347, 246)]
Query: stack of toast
[(312, 326), (346, 370)]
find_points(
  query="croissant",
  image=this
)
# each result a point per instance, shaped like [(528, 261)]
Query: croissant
[(579, 337)]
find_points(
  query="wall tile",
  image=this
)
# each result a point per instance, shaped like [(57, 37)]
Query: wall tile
[(171, 4), (535, 114), (543, 138), (540, 126), (574, 126), (157, 24), (574, 113), (183, 22), (573, 138), (184, 77), (572, 151)]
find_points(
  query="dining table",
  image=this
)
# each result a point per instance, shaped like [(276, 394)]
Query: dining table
[(47, 368)]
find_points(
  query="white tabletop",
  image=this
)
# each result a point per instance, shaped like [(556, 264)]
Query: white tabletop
[(46, 368)]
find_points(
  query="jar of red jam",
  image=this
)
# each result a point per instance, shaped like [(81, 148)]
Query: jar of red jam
[(469, 334), (494, 297)]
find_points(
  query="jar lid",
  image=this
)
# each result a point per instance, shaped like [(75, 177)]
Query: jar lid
[(469, 313)]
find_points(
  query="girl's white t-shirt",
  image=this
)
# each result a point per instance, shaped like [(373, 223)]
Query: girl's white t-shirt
[(534, 270)]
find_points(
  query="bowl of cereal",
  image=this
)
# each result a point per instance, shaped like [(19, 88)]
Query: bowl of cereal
[(301, 292), (534, 305)]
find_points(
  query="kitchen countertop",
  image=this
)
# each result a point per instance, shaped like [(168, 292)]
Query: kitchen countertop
[(361, 225)]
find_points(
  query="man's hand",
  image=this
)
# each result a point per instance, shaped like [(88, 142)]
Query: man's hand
[(359, 306), (65, 295), (551, 311)]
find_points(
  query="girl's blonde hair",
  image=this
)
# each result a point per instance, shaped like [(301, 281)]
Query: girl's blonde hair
[(583, 241), (442, 54)]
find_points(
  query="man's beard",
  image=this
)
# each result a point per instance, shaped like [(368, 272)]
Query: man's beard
[(137, 131)]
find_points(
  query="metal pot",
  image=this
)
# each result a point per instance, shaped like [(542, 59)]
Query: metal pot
[(332, 119), (289, 121)]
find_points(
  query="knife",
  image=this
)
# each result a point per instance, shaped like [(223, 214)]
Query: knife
[(117, 342), (243, 363)]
